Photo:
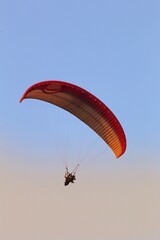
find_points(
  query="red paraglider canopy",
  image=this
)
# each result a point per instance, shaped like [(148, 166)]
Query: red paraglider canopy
[(84, 106)]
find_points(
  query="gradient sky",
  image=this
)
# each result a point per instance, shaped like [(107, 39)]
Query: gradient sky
[(110, 48)]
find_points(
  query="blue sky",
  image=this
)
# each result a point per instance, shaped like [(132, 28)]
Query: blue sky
[(110, 48)]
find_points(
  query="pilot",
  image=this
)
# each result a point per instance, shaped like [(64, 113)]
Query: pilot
[(69, 177)]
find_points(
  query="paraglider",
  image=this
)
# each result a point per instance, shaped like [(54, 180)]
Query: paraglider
[(85, 107), (70, 177)]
